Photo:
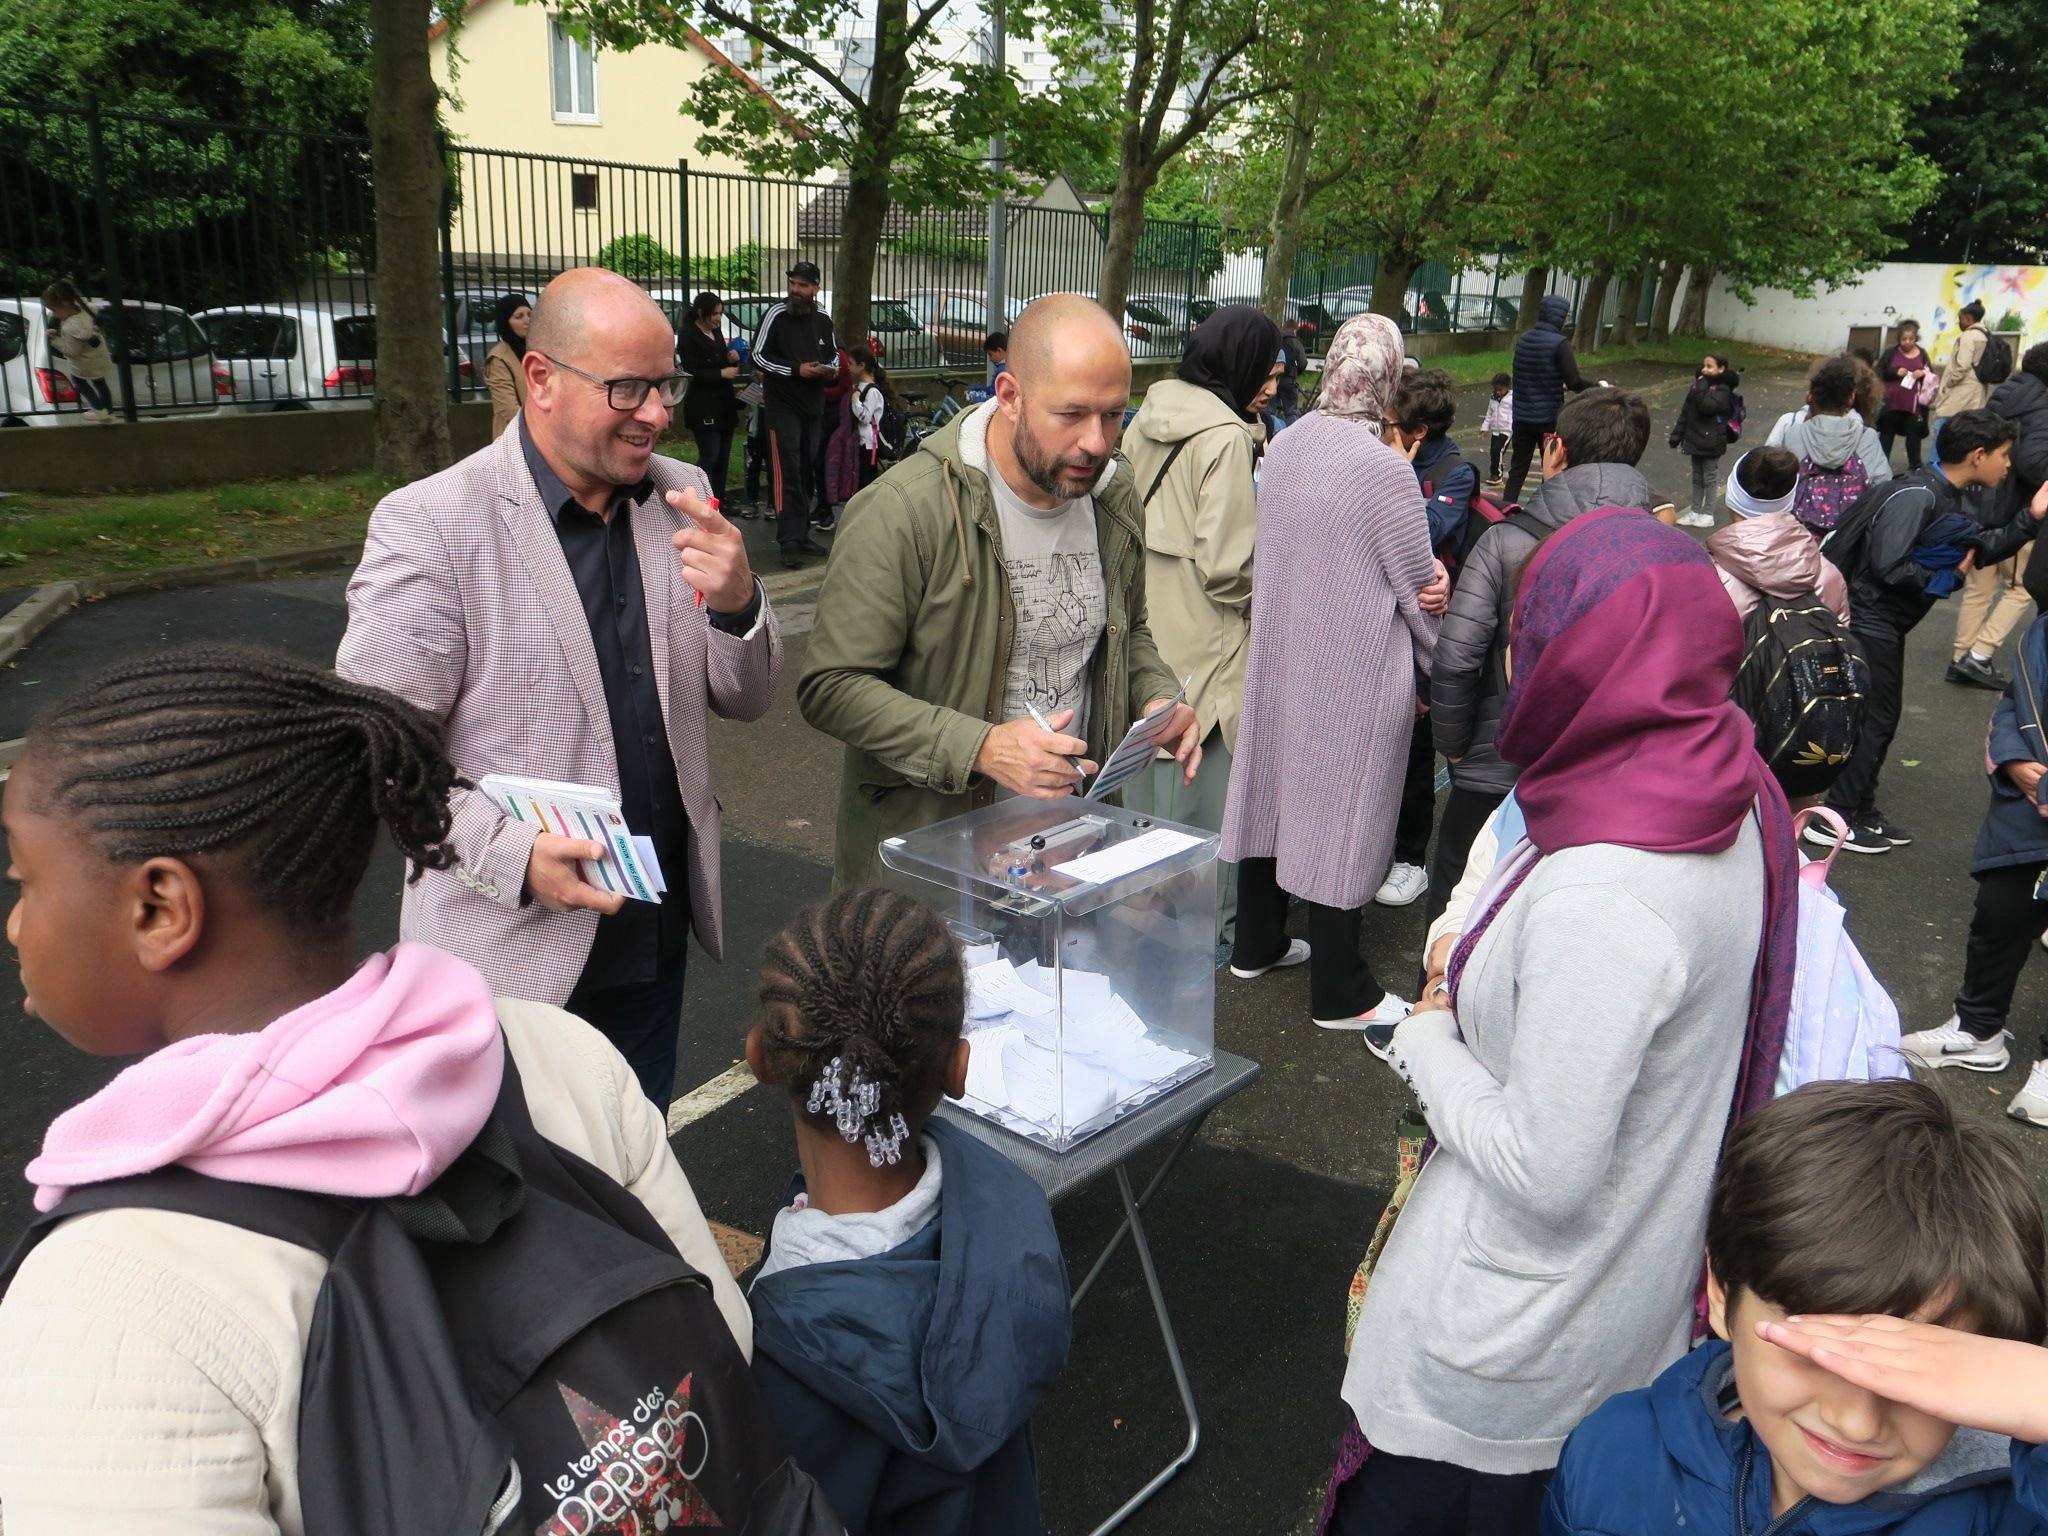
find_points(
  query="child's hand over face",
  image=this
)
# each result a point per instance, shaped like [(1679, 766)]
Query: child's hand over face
[(1999, 1385)]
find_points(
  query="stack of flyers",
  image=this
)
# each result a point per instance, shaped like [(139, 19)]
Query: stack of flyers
[(584, 810)]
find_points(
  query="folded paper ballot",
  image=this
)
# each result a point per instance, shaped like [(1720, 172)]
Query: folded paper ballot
[(584, 810), (1041, 1062)]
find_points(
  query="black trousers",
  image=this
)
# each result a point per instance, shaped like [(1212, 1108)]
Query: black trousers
[(1529, 437), (1496, 450), (1465, 812), (1883, 639), (2003, 931), (644, 1020), (1340, 983), (714, 454), (1418, 798), (1408, 1496), (795, 442)]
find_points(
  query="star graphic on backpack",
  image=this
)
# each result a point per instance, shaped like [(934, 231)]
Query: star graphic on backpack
[(627, 1496)]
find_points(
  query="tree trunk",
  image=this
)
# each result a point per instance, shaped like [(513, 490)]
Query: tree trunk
[(1535, 283), (1283, 244), (1626, 307), (1135, 175), (1586, 338), (1390, 283), (1692, 314), (411, 410), (860, 236), (1667, 295)]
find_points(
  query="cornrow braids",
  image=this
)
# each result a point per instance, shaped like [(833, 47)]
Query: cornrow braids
[(863, 999), (235, 751)]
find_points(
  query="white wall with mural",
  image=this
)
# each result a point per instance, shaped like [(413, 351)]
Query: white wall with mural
[(2015, 303)]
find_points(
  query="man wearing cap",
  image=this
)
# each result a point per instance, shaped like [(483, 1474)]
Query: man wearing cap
[(796, 353)]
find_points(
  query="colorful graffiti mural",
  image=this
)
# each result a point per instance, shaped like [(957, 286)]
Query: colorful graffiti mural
[(2015, 303)]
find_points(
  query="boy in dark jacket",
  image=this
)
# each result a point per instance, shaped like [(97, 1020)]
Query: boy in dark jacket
[(1903, 545), (912, 1306), (1589, 463), (1545, 367), (1875, 1270), (2009, 865), (1702, 432)]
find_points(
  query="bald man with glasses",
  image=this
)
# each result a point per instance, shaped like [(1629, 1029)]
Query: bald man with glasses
[(571, 606)]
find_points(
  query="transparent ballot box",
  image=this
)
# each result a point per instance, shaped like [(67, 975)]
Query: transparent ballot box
[(1089, 933)]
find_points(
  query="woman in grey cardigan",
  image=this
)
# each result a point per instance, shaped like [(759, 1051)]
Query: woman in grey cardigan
[(1340, 637), (1581, 1060)]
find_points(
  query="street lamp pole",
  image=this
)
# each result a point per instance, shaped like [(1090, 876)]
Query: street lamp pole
[(998, 218)]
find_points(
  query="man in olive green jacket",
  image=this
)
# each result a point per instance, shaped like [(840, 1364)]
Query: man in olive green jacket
[(999, 569)]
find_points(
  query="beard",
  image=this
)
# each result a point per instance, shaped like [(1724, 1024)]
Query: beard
[(801, 305), (1049, 472)]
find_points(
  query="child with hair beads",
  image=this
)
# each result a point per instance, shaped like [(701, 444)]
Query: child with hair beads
[(186, 835), (912, 1307)]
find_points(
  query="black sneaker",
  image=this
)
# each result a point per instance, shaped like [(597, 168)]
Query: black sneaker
[(1877, 826), (1379, 1039), (792, 558), (1973, 672), (1861, 838), (825, 523)]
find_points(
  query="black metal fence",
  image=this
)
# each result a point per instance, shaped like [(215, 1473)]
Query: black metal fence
[(234, 266)]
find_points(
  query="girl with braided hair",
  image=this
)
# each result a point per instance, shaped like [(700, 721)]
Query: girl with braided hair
[(912, 1307), (186, 835)]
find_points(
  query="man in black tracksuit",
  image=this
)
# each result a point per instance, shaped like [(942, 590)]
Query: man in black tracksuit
[(795, 353), (1903, 545), (1545, 367)]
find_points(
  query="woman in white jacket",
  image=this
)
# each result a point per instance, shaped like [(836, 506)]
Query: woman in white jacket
[(188, 833)]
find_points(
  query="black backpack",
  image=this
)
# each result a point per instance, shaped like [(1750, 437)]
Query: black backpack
[(1995, 366), (520, 1348), (1801, 682)]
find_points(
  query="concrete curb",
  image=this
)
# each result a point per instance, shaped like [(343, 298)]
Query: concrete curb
[(25, 621)]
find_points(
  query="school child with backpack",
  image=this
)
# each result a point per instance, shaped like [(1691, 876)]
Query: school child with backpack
[(1840, 456), (1903, 546), (1703, 432), (1875, 1285), (912, 1307), (292, 1265), (1499, 426), (2009, 865), (874, 406), (79, 348), (1766, 552)]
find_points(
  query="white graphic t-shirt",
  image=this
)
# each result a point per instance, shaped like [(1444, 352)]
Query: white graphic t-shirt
[(1055, 570)]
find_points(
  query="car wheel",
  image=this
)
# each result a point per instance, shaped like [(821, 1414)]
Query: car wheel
[(291, 405), (13, 421)]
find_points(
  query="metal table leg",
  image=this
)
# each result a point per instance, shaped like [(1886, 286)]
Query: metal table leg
[(1134, 1225)]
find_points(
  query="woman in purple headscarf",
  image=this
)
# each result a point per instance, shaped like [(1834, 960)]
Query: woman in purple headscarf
[(1340, 646), (1619, 992)]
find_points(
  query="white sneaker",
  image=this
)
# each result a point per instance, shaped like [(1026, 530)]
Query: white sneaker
[(1297, 953), (2031, 1102), (1695, 520), (1950, 1045), (1404, 884), (103, 418), (1391, 1010)]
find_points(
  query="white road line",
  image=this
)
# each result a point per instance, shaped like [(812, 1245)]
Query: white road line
[(706, 1097)]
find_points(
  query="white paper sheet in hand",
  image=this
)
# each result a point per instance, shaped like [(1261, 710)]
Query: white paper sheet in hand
[(1112, 863)]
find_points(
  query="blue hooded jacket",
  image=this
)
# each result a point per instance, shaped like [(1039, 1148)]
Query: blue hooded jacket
[(2015, 830), (905, 1383), (1668, 1459)]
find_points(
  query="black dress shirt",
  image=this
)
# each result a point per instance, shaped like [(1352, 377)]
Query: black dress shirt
[(633, 942)]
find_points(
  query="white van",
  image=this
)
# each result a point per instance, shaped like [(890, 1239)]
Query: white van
[(297, 357), (170, 366)]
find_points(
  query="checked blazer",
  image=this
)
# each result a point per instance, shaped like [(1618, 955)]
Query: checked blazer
[(464, 605)]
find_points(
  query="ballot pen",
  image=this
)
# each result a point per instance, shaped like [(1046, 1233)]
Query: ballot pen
[(713, 501), (1038, 718)]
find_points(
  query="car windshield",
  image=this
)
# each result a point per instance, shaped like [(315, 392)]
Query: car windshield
[(246, 335), (355, 338), (152, 335), (1147, 314), (891, 315), (13, 335)]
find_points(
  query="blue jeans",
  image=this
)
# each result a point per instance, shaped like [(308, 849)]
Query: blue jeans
[(93, 394), (714, 453), (643, 1020)]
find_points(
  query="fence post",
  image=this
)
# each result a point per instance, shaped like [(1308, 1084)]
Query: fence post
[(1195, 228), (451, 344), (96, 149), (683, 217)]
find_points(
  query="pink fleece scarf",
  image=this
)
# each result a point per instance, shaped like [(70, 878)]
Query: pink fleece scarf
[(369, 1091)]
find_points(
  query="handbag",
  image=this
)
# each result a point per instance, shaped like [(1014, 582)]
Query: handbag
[(1412, 1147), (1928, 387)]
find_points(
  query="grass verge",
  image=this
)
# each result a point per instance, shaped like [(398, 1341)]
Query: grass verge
[(1480, 367), (47, 537)]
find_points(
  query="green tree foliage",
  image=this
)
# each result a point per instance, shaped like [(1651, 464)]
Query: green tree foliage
[(1989, 144), (640, 257)]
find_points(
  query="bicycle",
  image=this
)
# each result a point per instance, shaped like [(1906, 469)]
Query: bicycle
[(920, 424)]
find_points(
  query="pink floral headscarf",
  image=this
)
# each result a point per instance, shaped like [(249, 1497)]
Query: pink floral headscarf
[(1362, 370)]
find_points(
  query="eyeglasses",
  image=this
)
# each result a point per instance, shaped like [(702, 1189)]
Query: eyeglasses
[(631, 394)]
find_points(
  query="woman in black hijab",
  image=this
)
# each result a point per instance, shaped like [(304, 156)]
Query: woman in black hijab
[(504, 372), (1192, 448)]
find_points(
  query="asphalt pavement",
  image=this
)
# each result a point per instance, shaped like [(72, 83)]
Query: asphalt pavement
[(1257, 1233)]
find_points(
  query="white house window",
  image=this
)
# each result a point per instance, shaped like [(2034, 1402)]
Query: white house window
[(572, 66)]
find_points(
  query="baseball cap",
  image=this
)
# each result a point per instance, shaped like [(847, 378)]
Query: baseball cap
[(807, 270)]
